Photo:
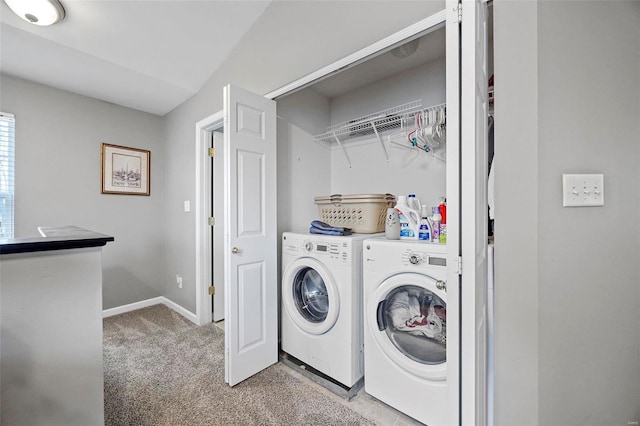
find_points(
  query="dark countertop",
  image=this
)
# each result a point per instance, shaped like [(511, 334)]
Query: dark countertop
[(60, 238)]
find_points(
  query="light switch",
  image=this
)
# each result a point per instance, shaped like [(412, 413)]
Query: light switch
[(582, 190), (187, 206)]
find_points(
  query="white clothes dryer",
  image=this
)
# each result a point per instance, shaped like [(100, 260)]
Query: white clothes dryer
[(405, 327), (322, 303)]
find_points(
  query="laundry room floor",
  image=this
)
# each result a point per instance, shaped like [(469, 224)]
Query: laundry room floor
[(364, 404)]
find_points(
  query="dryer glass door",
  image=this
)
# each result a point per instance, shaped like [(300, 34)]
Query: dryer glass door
[(415, 321), (310, 295), (407, 316)]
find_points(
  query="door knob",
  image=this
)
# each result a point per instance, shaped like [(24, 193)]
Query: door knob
[(235, 250)]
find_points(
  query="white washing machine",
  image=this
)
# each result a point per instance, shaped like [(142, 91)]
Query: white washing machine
[(405, 327), (322, 303)]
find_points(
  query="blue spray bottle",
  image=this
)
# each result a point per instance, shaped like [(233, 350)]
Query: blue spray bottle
[(424, 232)]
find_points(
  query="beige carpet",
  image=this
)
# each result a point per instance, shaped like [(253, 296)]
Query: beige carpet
[(161, 369)]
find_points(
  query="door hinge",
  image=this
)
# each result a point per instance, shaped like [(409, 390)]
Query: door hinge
[(458, 13), (459, 265), (211, 221), (212, 152), (212, 290)]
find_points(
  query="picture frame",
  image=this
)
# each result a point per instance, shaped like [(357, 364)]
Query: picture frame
[(125, 170)]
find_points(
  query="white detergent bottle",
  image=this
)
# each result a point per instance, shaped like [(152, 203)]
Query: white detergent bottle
[(414, 202), (409, 219)]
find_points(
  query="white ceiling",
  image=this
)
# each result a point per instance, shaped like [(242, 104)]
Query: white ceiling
[(149, 55)]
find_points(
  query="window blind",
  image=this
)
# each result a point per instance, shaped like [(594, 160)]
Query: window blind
[(7, 172)]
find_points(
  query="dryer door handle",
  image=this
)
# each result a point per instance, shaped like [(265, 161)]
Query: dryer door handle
[(382, 323)]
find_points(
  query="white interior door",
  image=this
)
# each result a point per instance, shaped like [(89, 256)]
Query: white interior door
[(474, 107), (251, 323)]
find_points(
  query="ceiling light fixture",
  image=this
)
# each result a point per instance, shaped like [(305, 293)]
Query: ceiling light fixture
[(38, 12), (406, 49)]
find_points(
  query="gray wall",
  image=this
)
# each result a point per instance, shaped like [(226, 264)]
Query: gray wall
[(304, 165), (567, 279), (290, 40), (58, 137), (406, 171)]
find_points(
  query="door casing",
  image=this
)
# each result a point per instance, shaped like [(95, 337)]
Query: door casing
[(204, 238)]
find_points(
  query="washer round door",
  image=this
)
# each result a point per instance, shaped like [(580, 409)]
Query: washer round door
[(310, 295), (407, 315)]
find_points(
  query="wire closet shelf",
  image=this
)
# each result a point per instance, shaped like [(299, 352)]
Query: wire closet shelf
[(399, 118)]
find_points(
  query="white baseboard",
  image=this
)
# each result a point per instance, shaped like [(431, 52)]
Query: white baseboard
[(179, 309), (150, 302), (132, 307)]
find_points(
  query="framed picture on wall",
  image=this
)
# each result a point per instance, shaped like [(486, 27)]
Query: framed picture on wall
[(125, 170)]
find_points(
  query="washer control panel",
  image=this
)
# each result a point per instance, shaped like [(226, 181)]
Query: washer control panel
[(340, 251), (332, 250)]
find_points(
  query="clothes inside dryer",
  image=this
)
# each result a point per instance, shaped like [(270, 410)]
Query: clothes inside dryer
[(310, 295), (415, 321)]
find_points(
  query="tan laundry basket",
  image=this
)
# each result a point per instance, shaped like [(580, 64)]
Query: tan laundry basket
[(363, 213)]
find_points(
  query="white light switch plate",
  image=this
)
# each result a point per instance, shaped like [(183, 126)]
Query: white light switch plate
[(582, 190), (187, 206)]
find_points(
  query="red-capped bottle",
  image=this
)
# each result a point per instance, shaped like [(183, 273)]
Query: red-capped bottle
[(443, 222)]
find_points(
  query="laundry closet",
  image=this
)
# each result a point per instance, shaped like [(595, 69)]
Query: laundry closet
[(376, 128)]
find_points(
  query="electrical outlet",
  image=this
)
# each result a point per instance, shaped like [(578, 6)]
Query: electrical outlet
[(582, 190), (179, 281)]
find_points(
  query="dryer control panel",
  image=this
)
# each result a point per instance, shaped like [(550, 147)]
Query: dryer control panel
[(417, 258)]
